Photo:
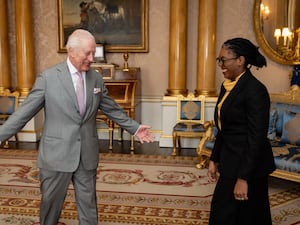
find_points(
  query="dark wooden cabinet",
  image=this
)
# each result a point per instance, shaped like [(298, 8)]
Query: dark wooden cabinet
[(124, 93), (123, 87)]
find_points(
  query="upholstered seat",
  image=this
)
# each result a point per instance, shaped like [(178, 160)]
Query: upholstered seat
[(189, 127), (8, 104), (190, 118)]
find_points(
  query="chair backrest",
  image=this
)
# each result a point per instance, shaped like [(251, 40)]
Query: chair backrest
[(190, 108), (8, 102)]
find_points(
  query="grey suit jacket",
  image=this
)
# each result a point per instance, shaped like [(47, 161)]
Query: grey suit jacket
[(67, 137)]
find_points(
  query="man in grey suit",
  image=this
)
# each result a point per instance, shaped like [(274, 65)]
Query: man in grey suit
[(69, 150)]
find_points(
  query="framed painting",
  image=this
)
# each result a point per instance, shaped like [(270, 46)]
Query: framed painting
[(119, 25)]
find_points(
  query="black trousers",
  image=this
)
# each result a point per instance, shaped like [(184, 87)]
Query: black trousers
[(225, 210)]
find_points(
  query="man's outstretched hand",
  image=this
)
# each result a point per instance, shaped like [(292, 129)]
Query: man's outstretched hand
[(144, 135)]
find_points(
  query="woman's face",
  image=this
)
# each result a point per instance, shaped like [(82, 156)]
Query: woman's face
[(231, 65)]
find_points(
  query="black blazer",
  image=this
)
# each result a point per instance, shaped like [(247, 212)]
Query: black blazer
[(242, 148)]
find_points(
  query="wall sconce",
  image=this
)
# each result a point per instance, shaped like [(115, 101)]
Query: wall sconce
[(264, 14), (288, 43), (265, 11)]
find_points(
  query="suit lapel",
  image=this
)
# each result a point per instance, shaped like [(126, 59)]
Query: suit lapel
[(65, 77), (234, 93), (89, 90), (222, 93)]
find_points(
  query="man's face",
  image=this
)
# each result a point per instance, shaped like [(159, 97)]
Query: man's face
[(83, 56)]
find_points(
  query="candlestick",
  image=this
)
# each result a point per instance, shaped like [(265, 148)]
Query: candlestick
[(126, 56)]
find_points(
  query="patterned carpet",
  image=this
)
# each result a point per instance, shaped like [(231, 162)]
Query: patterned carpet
[(131, 189)]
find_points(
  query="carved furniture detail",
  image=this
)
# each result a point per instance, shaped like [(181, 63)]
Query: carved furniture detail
[(123, 88)]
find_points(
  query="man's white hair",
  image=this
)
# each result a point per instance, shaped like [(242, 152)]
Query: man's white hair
[(76, 38)]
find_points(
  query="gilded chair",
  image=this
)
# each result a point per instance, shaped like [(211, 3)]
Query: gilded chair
[(206, 144), (8, 104), (190, 119)]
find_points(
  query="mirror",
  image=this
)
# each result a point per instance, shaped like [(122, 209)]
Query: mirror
[(277, 29)]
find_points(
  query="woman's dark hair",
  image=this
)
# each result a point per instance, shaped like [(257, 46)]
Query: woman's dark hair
[(244, 47)]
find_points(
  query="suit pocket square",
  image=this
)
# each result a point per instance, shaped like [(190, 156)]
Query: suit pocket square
[(97, 90)]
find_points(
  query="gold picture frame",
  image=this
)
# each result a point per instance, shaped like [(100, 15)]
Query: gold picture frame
[(122, 26), (106, 70)]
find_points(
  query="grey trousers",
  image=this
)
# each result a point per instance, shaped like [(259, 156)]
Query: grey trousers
[(54, 186)]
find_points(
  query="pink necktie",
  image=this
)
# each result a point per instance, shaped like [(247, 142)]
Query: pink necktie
[(80, 93)]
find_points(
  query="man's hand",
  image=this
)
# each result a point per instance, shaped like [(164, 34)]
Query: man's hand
[(143, 134)]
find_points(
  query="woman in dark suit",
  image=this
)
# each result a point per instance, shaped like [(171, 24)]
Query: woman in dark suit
[(242, 155)]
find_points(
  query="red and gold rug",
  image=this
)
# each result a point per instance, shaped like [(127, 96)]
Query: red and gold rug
[(131, 189)]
